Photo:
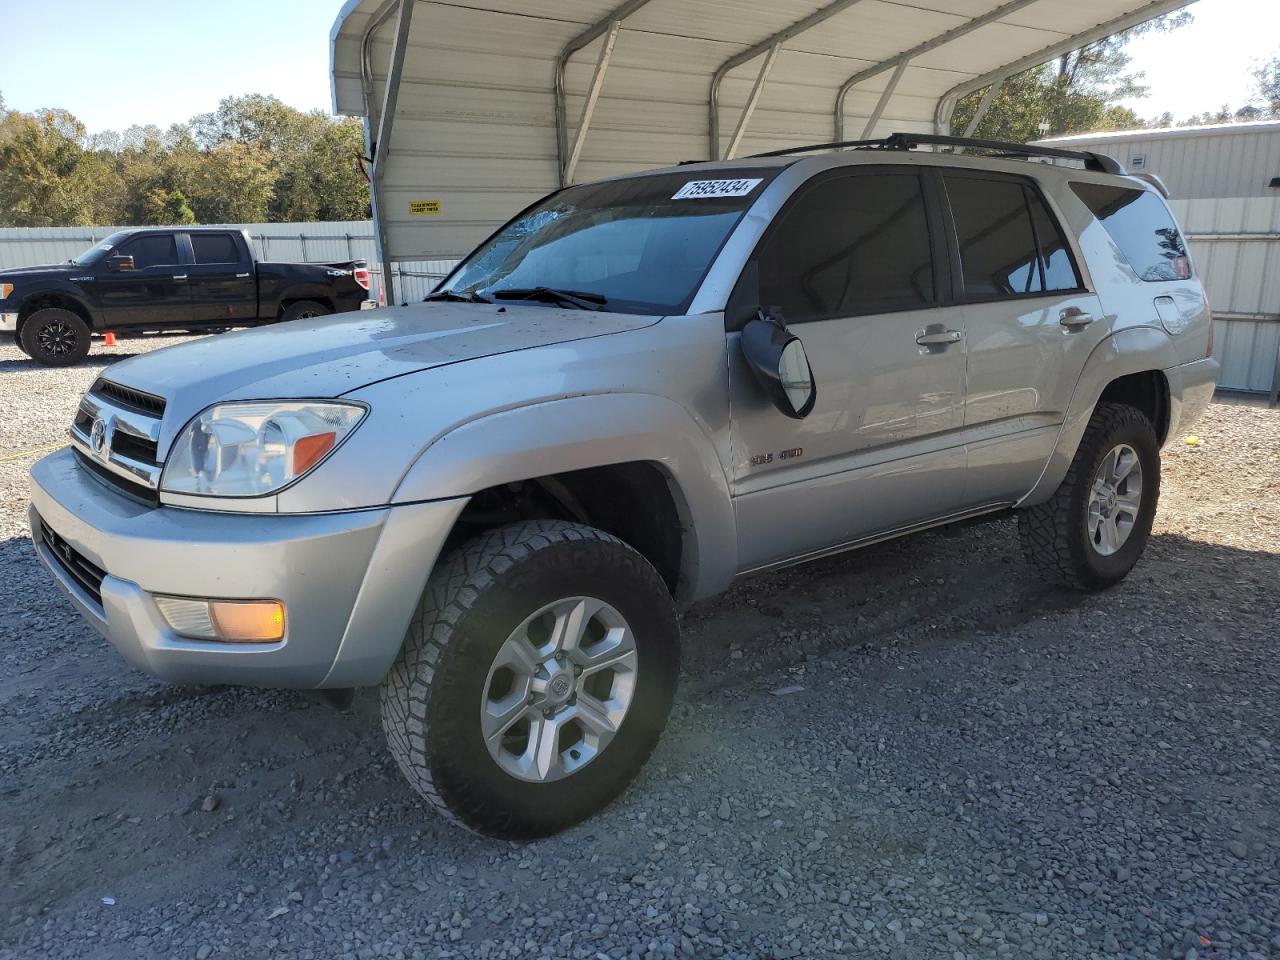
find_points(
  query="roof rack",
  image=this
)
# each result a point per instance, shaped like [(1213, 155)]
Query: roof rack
[(908, 141)]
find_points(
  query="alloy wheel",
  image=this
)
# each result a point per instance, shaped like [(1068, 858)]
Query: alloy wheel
[(1115, 498), (56, 338), (559, 689)]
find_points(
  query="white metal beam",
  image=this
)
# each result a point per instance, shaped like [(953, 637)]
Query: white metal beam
[(969, 26), (987, 99), (382, 145), (589, 105), (750, 106), (947, 102), (764, 46), (884, 98), (593, 32)]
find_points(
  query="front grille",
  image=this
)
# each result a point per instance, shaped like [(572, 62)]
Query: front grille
[(135, 448), (147, 403), (73, 563), (138, 492)]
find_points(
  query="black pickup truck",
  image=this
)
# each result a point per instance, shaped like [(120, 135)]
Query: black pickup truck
[(154, 280)]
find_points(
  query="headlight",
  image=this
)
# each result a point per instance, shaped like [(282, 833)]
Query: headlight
[(252, 449)]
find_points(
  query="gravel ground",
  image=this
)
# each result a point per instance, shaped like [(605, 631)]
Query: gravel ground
[(914, 751)]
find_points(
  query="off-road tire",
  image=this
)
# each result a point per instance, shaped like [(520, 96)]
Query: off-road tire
[(473, 601), (48, 319), (1055, 534), (303, 310)]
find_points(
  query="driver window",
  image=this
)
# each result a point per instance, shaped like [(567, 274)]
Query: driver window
[(850, 246), (155, 250)]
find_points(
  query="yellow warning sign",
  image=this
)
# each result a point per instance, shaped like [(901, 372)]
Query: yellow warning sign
[(424, 207)]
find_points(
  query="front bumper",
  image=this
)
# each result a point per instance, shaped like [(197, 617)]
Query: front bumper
[(8, 323), (349, 581)]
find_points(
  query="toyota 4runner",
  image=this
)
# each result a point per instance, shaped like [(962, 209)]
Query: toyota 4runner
[(639, 389)]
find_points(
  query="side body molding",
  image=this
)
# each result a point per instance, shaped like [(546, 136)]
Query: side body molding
[(1128, 350), (595, 430)]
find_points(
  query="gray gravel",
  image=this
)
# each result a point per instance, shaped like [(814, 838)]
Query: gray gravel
[(914, 751)]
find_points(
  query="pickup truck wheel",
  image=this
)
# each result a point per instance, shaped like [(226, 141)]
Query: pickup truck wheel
[(304, 310), (1092, 531), (535, 678), (55, 337)]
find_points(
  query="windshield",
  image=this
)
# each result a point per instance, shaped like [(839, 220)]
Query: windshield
[(640, 245), (97, 252)]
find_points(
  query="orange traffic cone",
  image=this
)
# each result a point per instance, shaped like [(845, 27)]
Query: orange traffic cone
[(110, 339)]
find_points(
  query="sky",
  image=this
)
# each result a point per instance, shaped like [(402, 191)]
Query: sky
[(114, 64)]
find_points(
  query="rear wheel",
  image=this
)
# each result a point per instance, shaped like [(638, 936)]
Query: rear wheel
[(55, 337), (1092, 531), (304, 310), (535, 679)]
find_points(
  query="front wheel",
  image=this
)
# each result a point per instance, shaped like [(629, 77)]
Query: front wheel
[(1092, 531), (55, 337), (535, 679)]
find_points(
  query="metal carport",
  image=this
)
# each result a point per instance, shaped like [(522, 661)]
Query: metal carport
[(474, 109)]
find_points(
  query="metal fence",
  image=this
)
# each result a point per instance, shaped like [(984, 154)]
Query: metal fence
[(1236, 245), (297, 242)]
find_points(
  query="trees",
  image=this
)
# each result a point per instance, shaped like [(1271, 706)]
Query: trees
[(1074, 93), (253, 159)]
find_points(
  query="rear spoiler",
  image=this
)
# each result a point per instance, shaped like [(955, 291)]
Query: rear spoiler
[(1155, 181)]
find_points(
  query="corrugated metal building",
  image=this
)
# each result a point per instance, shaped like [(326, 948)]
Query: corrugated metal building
[(1223, 160), (1224, 181)]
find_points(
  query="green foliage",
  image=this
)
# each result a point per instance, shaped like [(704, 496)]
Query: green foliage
[(1076, 93), (254, 159)]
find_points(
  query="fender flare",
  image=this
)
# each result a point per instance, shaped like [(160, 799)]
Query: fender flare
[(66, 290), (594, 430), (1129, 350)]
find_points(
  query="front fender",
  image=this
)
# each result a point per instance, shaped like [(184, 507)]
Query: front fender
[(63, 289), (576, 433), (1128, 350)]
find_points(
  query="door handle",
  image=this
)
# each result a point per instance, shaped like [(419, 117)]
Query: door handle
[(935, 337), (1075, 317), (179, 276), (242, 276)]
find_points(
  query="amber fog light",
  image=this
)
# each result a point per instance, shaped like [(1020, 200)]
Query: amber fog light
[(230, 621)]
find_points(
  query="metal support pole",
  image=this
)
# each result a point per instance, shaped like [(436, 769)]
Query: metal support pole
[(589, 105), (386, 123), (987, 99), (596, 30), (746, 56), (969, 26), (750, 106), (884, 98)]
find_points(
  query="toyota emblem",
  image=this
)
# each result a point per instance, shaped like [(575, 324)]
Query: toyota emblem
[(99, 442)]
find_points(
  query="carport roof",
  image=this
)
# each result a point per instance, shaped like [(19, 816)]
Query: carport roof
[(496, 102)]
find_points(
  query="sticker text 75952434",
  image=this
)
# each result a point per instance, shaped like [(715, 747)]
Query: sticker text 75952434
[(703, 189)]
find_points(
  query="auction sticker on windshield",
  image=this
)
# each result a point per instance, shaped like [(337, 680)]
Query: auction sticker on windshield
[(702, 189)]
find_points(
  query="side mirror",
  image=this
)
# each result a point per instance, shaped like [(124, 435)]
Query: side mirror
[(119, 262), (780, 365)]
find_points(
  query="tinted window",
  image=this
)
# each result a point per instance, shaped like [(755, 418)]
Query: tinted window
[(154, 250), (853, 245), (997, 244), (645, 243), (1142, 228), (214, 248), (1055, 255)]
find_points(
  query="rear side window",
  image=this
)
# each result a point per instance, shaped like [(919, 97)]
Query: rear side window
[(155, 250), (1010, 244), (849, 246), (1142, 227), (214, 248)]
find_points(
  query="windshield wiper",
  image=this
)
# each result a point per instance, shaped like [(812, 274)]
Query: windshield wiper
[(581, 299), (450, 295)]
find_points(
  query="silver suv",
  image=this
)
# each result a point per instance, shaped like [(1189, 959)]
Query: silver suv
[(492, 504)]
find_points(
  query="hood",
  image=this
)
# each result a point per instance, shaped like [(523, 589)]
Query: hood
[(330, 356), (17, 273)]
